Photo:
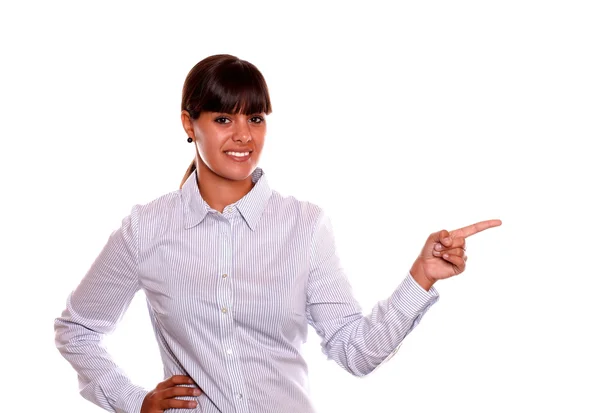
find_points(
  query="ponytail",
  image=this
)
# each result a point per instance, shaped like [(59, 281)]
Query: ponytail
[(190, 170)]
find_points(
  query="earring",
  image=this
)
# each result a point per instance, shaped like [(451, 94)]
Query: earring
[(190, 139)]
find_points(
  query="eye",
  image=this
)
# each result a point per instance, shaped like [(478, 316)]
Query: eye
[(222, 120), (257, 119)]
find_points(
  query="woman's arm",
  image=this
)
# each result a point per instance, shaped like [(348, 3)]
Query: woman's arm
[(357, 343), (361, 343), (93, 310)]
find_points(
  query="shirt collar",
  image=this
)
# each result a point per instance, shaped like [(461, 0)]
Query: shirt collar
[(251, 206)]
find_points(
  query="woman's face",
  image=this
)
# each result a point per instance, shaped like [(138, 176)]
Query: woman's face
[(230, 144)]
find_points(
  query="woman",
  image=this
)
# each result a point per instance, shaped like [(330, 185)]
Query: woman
[(234, 273)]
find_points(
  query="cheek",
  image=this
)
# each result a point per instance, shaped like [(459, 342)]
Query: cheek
[(259, 145), (259, 141), (208, 148)]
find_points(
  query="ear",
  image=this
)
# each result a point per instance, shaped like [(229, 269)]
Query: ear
[(187, 123)]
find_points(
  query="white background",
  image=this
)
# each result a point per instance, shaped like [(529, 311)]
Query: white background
[(399, 120)]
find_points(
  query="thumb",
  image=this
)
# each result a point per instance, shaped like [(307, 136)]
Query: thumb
[(443, 237)]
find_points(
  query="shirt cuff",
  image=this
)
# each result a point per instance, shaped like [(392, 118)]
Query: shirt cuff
[(130, 399), (411, 299)]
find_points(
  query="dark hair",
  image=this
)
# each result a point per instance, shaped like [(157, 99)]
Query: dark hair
[(226, 84)]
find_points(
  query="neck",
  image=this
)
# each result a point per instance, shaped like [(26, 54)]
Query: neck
[(218, 192)]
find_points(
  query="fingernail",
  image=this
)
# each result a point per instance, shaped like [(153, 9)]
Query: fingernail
[(196, 392), (438, 247), (437, 253), (447, 240)]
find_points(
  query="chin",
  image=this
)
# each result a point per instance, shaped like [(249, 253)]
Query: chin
[(229, 170), (236, 174)]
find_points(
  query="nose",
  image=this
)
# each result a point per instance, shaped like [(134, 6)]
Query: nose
[(242, 133)]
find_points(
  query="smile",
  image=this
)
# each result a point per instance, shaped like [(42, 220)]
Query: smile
[(238, 156)]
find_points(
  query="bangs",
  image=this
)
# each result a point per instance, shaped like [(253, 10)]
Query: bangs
[(237, 88)]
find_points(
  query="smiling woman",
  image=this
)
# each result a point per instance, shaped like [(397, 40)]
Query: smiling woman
[(228, 148), (234, 273), (224, 104)]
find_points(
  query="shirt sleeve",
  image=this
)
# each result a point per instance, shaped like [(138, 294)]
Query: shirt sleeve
[(359, 343), (93, 310)]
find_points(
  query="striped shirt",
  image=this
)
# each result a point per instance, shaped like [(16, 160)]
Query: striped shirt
[(230, 297)]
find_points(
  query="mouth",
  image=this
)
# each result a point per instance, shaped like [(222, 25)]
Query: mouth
[(238, 156)]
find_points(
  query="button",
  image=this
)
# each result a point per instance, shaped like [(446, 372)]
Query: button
[(229, 351), (224, 310), (224, 276), (239, 395)]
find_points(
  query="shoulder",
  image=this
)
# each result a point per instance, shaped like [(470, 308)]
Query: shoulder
[(161, 204), (162, 209), (291, 208)]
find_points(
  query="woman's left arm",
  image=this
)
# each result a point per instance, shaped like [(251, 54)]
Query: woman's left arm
[(359, 343)]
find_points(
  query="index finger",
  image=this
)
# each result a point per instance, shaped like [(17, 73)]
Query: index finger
[(475, 228)]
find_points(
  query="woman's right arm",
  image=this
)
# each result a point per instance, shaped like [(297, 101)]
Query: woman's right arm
[(93, 310)]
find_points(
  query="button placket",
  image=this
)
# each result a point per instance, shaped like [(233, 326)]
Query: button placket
[(225, 304), (224, 289)]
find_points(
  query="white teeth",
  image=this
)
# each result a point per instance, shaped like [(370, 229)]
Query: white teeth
[(238, 154)]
